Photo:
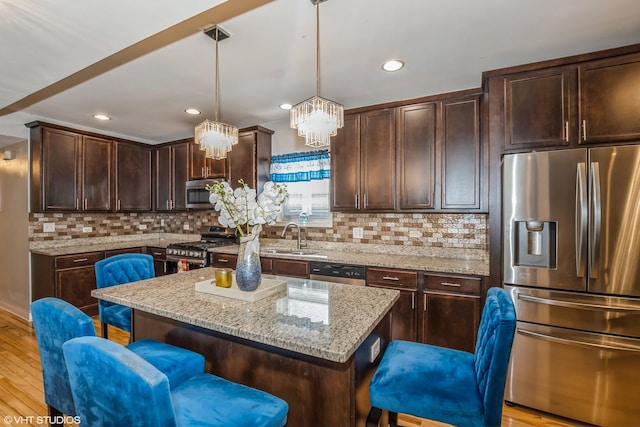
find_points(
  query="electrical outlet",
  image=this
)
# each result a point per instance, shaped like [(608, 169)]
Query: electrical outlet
[(357, 233), (87, 229), (162, 222), (185, 227), (374, 350), (49, 227), (142, 226)]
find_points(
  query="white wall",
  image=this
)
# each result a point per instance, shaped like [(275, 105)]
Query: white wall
[(14, 235), (285, 139)]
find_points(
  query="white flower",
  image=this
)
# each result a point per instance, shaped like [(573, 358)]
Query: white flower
[(241, 206)]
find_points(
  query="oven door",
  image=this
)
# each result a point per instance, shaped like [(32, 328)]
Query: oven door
[(192, 264), (197, 195)]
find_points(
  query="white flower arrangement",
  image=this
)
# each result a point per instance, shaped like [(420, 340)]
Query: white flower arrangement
[(240, 206)]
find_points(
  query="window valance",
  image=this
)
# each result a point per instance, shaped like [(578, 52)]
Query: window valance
[(301, 166)]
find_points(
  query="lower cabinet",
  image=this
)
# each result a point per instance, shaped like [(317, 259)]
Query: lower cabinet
[(69, 277), (279, 266), (450, 312), (403, 314), (159, 259)]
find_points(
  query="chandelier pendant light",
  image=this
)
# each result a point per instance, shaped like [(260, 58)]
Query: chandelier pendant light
[(317, 119), (214, 137)]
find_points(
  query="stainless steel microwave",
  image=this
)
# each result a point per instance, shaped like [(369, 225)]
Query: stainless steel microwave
[(197, 194)]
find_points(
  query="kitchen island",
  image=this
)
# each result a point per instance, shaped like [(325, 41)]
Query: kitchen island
[(313, 345)]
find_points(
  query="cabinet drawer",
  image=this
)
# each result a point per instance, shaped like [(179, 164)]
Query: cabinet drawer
[(159, 254), (285, 267), (223, 260), (395, 278), (77, 260), (114, 252), (461, 284)]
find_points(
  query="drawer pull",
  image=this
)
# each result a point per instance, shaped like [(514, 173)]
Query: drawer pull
[(81, 260), (454, 285), (158, 253), (395, 279), (223, 260)]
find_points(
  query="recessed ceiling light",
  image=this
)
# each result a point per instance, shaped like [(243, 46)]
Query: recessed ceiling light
[(192, 111), (286, 106), (392, 65), (101, 117)]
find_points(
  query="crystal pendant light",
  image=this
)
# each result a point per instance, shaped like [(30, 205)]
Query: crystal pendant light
[(216, 138), (317, 119)]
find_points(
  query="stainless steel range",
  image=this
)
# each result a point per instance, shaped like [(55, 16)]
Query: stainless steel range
[(195, 254)]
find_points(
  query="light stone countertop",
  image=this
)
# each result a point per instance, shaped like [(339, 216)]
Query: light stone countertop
[(319, 319)]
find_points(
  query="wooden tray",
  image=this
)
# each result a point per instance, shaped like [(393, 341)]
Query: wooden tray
[(266, 288)]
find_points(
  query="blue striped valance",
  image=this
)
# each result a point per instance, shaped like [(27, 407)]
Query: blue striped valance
[(302, 166)]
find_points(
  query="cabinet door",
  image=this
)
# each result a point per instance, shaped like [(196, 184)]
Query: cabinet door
[(201, 167), (96, 174), (60, 170), (539, 108), (345, 165), (416, 142), (403, 316), (133, 177), (159, 260), (377, 139), (286, 267), (460, 154), (162, 166), (609, 101), (450, 320), (179, 175), (242, 161), (74, 285)]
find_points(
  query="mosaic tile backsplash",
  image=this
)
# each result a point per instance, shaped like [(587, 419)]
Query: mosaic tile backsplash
[(468, 231)]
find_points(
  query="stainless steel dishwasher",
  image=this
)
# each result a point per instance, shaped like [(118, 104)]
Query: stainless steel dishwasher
[(338, 273)]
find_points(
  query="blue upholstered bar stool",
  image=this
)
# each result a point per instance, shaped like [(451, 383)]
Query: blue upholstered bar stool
[(118, 270), (56, 321), (448, 385), (112, 386)]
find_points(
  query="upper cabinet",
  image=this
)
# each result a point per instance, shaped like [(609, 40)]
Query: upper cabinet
[(567, 105), (610, 100), (69, 171), (201, 167), (250, 158), (363, 162), (419, 157), (171, 165), (133, 177)]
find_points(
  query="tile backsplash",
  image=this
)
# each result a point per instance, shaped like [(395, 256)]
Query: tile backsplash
[(442, 230)]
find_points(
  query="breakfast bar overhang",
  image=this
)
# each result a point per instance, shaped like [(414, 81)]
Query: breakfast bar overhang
[(315, 345)]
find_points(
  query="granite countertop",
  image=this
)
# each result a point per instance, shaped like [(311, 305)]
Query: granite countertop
[(443, 260), (99, 244), (311, 317)]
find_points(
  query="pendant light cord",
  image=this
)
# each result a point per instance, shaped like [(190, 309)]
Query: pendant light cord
[(217, 98), (318, 48)]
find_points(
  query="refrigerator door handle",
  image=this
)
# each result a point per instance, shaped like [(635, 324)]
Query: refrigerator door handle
[(577, 342), (581, 217), (596, 221), (577, 304)]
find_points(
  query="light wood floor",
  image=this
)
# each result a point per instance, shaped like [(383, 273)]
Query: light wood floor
[(22, 395)]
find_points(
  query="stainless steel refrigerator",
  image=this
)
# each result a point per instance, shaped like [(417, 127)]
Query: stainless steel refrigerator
[(571, 262)]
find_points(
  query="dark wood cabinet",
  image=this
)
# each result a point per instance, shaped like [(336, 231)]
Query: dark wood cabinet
[(404, 313), (68, 277), (540, 108), (461, 172), (133, 177), (291, 268), (201, 167), (170, 177), (416, 140), (364, 179), (69, 171), (223, 260), (250, 159), (159, 259), (450, 313), (114, 252), (609, 101)]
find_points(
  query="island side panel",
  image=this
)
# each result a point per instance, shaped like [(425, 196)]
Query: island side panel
[(319, 392)]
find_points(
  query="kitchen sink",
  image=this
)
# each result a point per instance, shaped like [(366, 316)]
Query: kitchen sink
[(294, 252)]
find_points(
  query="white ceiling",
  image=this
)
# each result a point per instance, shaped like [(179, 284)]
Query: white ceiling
[(270, 56)]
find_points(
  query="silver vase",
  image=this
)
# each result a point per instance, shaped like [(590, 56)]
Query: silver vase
[(248, 269)]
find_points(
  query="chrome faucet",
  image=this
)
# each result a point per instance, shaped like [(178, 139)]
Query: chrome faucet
[(302, 243)]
